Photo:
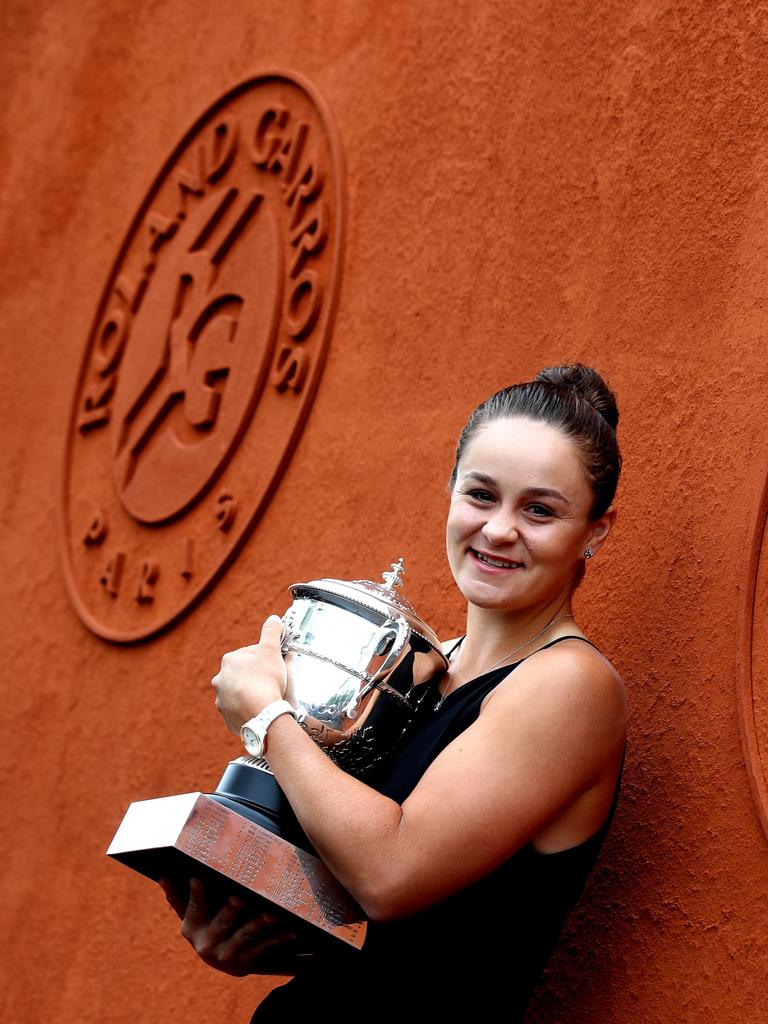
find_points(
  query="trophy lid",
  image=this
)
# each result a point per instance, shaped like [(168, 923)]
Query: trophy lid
[(382, 598)]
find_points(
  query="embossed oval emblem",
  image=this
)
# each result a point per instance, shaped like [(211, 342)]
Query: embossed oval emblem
[(204, 356)]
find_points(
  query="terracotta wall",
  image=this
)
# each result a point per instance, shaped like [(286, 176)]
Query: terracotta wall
[(526, 183)]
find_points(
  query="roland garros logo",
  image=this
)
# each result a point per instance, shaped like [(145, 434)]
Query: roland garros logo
[(204, 356)]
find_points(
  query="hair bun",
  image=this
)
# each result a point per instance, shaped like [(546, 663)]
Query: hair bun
[(586, 382)]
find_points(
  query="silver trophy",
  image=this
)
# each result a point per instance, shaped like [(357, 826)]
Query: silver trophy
[(361, 665)]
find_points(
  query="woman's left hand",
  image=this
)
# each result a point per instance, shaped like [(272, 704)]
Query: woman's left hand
[(251, 677), (242, 935)]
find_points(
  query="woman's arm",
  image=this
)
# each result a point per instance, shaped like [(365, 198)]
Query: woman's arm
[(541, 742)]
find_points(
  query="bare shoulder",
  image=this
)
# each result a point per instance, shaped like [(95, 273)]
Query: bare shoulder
[(572, 686), (574, 666)]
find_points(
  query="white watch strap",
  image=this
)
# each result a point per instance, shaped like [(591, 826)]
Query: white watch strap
[(261, 723)]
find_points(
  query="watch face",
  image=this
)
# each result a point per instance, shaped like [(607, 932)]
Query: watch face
[(251, 741)]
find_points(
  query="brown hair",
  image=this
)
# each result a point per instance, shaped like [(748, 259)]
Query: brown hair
[(574, 398)]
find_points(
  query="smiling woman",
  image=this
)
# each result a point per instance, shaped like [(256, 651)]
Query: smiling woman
[(472, 845), (521, 513)]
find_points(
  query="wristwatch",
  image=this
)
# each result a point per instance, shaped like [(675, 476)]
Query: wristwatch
[(254, 732)]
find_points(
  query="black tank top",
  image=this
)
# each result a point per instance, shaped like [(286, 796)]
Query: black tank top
[(482, 948)]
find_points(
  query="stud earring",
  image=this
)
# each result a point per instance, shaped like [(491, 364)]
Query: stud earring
[(588, 553)]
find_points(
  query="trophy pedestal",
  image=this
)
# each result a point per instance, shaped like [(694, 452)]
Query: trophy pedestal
[(196, 835)]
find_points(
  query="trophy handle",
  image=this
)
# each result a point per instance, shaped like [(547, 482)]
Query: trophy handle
[(288, 634), (401, 634)]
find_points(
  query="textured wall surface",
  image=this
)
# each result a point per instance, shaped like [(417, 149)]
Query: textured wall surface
[(527, 183)]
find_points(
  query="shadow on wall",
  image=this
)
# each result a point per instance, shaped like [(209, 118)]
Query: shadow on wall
[(595, 960)]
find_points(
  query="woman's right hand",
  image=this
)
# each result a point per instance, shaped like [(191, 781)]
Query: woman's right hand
[(237, 938)]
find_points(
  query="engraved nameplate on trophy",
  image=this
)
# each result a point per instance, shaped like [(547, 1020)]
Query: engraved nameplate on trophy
[(155, 836)]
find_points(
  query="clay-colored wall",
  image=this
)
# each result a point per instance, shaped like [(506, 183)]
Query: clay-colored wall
[(527, 182)]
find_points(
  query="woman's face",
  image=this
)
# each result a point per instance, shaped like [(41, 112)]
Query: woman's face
[(519, 517)]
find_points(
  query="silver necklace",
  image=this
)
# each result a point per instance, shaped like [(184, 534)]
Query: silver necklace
[(501, 661)]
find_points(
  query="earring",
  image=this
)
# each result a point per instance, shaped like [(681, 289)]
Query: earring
[(588, 553)]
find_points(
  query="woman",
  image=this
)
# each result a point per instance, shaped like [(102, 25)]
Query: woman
[(469, 854)]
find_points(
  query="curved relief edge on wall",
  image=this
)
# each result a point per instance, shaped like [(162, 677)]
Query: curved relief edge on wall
[(204, 356), (752, 688)]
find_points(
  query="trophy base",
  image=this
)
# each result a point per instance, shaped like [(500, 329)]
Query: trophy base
[(249, 787), (228, 845)]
